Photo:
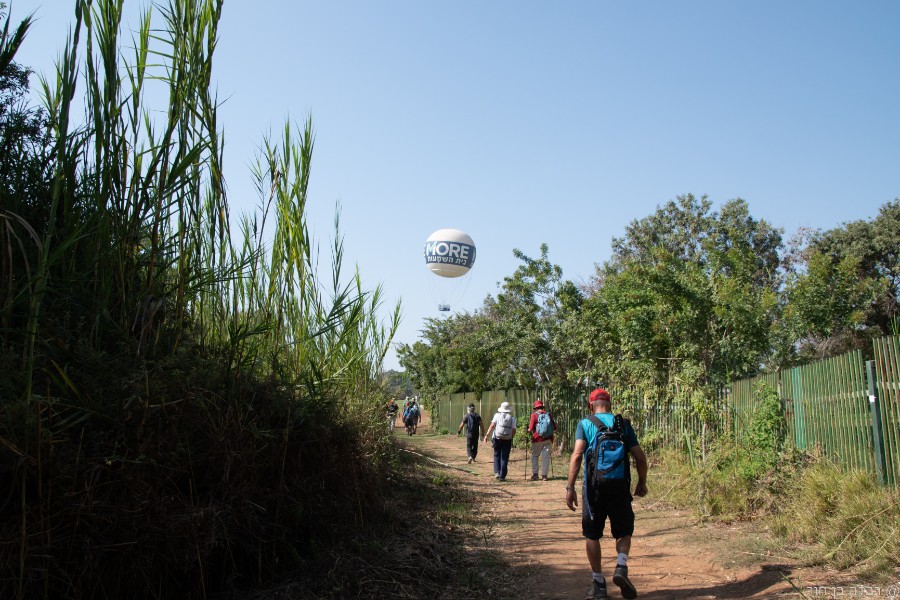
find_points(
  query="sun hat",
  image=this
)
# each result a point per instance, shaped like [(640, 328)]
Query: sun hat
[(598, 395), (504, 407), (539, 403)]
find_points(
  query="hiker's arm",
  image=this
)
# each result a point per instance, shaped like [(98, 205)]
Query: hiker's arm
[(459, 429), (489, 430), (640, 462), (574, 467)]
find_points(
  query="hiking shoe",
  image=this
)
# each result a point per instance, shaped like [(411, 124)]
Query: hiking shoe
[(544, 478), (534, 477), (597, 591), (470, 460), (620, 578), (496, 475)]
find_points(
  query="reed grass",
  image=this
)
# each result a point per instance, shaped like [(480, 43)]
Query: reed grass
[(186, 409)]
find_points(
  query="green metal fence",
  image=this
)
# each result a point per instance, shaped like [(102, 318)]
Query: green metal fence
[(828, 408), (886, 406), (564, 404), (831, 406), (666, 420)]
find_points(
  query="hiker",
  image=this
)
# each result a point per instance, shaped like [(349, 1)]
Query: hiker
[(606, 488), (503, 427), (392, 409), (411, 418), (541, 427), (472, 421), (416, 411)]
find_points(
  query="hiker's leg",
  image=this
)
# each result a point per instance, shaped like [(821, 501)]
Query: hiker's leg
[(593, 521), (497, 457), (593, 554), (535, 455), (504, 458), (621, 517), (545, 456), (623, 544)]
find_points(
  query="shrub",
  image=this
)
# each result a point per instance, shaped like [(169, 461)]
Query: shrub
[(766, 432)]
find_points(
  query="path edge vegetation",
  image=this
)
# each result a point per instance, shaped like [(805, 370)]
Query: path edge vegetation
[(187, 397)]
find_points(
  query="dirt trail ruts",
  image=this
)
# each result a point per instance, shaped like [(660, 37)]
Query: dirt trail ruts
[(672, 557)]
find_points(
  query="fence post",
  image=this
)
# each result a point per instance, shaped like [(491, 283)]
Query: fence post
[(880, 464)]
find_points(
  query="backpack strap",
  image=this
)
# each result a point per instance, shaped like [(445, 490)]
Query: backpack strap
[(600, 424), (601, 428)]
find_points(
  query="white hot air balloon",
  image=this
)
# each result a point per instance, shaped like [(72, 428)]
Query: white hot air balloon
[(449, 253)]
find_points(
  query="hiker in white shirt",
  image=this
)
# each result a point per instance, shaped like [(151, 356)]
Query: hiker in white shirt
[(503, 427)]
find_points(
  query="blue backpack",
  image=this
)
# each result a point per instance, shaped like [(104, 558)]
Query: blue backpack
[(544, 426), (606, 459)]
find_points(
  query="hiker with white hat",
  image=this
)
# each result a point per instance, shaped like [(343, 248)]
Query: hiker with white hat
[(503, 427)]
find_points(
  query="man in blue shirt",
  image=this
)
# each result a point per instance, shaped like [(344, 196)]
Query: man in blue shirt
[(613, 501)]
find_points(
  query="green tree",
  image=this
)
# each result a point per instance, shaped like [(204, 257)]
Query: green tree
[(875, 245), (448, 359), (827, 305), (530, 320), (687, 299)]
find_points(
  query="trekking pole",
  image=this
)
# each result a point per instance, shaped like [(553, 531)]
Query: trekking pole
[(526, 460), (550, 458)]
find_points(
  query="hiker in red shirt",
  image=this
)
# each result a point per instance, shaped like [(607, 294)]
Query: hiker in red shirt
[(541, 427)]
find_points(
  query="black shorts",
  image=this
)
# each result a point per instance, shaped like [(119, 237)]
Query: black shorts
[(615, 505)]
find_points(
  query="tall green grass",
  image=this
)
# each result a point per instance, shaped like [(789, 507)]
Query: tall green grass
[(184, 408)]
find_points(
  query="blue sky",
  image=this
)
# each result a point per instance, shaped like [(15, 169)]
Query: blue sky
[(525, 122)]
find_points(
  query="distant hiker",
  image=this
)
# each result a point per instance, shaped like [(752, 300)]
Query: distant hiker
[(416, 411), (392, 410), (473, 424), (541, 427), (606, 489), (411, 415), (503, 426)]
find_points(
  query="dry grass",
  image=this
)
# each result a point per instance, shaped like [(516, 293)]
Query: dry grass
[(818, 514)]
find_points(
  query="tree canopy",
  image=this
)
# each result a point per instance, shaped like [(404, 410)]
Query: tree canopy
[(690, 298)]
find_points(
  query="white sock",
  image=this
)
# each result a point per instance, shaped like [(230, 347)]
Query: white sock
[(623, 559), (599, 578)]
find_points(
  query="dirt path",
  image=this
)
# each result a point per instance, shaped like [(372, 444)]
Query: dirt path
[(671, 558)]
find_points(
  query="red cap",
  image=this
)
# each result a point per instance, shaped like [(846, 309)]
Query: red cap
[(538, 403), (599, 394)]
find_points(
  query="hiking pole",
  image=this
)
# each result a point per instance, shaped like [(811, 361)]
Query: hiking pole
[(550, 458), (526, 460)]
